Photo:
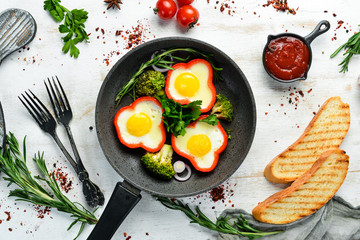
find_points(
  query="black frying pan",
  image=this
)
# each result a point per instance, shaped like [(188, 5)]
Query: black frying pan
[(127, 161)]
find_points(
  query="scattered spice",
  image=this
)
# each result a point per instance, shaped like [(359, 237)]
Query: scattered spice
[(134, 36), (217, 193), (63, 179), (225, 5), (42, 211), (8, 216), (280, 5)]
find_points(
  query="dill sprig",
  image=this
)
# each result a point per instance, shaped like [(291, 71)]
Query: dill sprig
[(162, 61), (240, 227), (13, 164), (351, 47)]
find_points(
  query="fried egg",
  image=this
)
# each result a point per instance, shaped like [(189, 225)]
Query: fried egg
[(192, 81), (201, 144), (140, 125)]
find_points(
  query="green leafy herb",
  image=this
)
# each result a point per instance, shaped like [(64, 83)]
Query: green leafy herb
[(177, 117), (211, 119), (241, 227), (161, 61), (13, 164), (351, 47), (73, 25)]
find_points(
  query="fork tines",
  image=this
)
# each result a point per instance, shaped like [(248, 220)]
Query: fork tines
[(36, 108), (58, 100)]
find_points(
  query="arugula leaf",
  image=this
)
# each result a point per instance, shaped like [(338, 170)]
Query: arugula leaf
[(211, 119), (177, 117), (73, 25)]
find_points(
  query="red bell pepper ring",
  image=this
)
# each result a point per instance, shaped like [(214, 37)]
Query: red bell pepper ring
[(192, 158), (186, 100), (140, 143)]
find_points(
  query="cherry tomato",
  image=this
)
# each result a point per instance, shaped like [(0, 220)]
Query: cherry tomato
[(187, 16), (165, 9), (184, 2)]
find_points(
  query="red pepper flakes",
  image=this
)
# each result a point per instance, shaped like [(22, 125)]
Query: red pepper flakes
[(42, 211), (63, 179), (217, 193), (225, 5), (129, 237), (8, 216), (280, 5), (10, 229)]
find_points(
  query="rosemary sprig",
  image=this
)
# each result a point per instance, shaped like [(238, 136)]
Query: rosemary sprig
[(161, 61), (351, 47), (13, 164), (240, 227)]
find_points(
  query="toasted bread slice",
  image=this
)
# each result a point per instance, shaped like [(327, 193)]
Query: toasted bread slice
[(326, 131), (308, 193)]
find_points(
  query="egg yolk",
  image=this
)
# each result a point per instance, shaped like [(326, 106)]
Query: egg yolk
[(139, 124), (199, 145), (187, 84)]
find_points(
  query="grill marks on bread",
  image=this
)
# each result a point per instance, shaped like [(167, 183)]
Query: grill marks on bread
[(308, 193), (326, 131)]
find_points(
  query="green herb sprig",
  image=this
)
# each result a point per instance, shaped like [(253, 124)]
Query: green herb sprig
[(162, 61), (73, 25), (177, 117), (13, 164), (351, 47), (240, 227)]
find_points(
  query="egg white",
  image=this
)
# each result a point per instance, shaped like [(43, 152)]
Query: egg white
[(154, 137), (201, 71), (215, 135)]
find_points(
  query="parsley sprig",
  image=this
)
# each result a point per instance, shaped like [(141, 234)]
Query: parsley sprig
[(240, 227), (13, 164), (73, 25), (177, 117), (351, 47)]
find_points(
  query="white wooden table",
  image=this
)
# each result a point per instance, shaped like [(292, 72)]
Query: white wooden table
[(242, 36)]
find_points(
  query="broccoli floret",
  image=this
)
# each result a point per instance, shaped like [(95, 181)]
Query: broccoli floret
[(159, 164), (150, 83), (223, 108)]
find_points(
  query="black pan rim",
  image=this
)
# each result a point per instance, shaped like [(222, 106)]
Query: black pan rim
[(253, 106)]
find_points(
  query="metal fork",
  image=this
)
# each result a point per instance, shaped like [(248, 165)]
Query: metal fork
[(63, 114), (45, 120), (48, 124)]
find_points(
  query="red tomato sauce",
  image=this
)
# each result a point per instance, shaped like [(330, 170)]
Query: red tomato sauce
[(287, 58)]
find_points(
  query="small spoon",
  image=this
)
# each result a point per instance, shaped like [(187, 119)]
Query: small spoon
[(2, 131), (17, 28)]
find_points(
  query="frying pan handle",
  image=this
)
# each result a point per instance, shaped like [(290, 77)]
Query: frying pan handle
[(121, 203), (318, 31)]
